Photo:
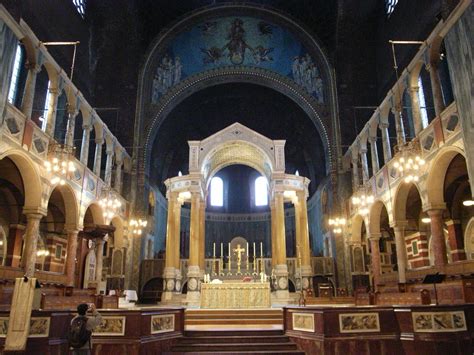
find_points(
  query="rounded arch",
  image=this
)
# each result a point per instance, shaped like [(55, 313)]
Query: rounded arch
[(53, 75), (469, 239), (71, 208), (415, 73), (236, 152), (327, 125), (93, 214), (400, 200), (29, 173), (257, 76), (375, 216), (357, 223), (437, 173)]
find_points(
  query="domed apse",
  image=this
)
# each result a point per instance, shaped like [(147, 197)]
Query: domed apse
[(260, 108)]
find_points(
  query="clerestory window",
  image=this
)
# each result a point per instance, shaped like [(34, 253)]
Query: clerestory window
[(217, 192), (261, 191)]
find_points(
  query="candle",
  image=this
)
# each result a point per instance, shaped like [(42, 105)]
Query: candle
[(254, 251), (247, 250), (222, 250), (261, 249), (214, 251), (229, 251)]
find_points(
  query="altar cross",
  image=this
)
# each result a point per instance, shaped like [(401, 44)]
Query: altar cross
[(239, 252)]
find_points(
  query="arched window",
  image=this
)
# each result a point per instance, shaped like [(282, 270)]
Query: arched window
[(217, 192), (261, 191), (390, 6), (44, 116), (14, 81), (421, 95), (80, 7)]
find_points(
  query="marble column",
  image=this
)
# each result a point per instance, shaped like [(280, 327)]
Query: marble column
[(306, 270), (456, 240), (118, 175), (52, 110), (273, 232), (437, 237), (28, 259), (99, 260), (401, 250), (281, 268), (29, 91), (400, 129), (415, 109), (71, 257), (86, 134), (202, 238), (177, 246), (108, 167), (374, 155), (375, 258), (365, 166), (169, 273), (71, 124), (436, 88), (98, 155), (355, 173), (194, 272), (387, 151)]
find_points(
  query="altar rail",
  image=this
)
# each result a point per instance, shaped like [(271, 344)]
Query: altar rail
[(420, 330), (131, 332)]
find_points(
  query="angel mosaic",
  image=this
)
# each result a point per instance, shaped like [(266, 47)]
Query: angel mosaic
[(306, 73)]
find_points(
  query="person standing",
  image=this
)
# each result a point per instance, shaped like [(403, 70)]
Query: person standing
[(81, 329)]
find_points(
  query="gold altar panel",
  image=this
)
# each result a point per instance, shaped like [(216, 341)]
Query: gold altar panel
[(236, 295)]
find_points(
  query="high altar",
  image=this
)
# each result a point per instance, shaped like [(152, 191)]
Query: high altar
[(236, 295), (235, 144)]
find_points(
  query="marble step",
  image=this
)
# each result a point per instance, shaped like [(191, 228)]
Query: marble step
[(261, 346), (239, 333), (235, 339)]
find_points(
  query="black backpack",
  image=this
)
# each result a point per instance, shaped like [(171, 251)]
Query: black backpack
[(78, 334)]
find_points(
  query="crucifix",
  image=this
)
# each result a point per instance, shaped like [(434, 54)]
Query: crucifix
[(239, 252)]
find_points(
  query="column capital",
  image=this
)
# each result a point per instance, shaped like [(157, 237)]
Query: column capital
[(35, 67), (399, 224), (435, 213), (414, 89), (53, 90), (396, 109), (87, 127), (384, 125), (99, 141), (434, 207), (375, 236), (372, 139), (35, 212)]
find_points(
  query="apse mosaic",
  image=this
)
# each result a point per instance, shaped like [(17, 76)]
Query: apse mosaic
[(237, 41)]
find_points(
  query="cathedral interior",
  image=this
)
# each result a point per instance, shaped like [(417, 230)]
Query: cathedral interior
[(266, 176)]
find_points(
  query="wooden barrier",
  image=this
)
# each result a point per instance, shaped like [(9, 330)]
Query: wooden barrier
[(108, 302), (399, 298), (49, 302)]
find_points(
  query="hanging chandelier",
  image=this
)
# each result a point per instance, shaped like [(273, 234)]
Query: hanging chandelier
[(408, 162), (60, 162), (110, 206), (363, 200), (137, 225), (337, 224)]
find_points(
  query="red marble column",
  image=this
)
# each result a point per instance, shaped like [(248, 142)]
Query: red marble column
[(71, 257), (437, 238), (375, 257), (456, 241)]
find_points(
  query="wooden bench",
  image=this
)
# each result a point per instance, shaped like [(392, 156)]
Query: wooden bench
[(330, 300)]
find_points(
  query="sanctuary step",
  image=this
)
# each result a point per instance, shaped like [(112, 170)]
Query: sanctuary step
[(197, 319), (236, 342)]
